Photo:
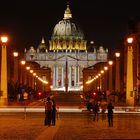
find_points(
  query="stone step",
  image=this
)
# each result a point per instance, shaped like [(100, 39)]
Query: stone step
[(71, 99)]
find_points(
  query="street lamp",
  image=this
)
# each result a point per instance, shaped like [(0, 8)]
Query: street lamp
[(117, 75), (130, 40), (129, 73), (117, 54), (23, 62), (102, 78), (27, 68), (110, 63), (22, 74), (105, 68), (3, 90), (4, 39), (28, 76), (16, 69), (110, 75), (15, 54)]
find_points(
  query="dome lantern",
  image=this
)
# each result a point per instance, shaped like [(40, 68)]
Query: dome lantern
[(67, 14)]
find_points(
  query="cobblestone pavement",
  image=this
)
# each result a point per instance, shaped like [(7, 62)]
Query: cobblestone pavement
[(70, 126)]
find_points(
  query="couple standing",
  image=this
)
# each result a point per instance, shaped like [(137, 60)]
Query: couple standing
[(50, 112)]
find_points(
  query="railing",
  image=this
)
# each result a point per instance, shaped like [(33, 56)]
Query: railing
[(65, 109)]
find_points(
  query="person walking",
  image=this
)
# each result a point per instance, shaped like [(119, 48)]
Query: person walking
[(103, 109), (48, 111), (53, 112), (110, 108), (95, 111)]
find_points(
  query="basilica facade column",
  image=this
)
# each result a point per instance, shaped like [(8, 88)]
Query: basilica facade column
[(78, 76), (75, 76), (62, 77), (56, 76), (70, 76), (54, 79)]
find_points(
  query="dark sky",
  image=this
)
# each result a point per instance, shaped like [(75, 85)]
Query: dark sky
[(104, 21)]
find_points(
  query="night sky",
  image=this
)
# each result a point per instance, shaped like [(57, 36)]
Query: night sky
[(105, 22)]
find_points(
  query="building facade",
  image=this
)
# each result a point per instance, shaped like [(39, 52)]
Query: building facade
[(67, 55)]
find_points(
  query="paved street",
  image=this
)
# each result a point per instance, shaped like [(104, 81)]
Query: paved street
[(70, 126)]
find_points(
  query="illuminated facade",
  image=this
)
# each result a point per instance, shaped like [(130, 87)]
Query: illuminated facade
[(68, 54)]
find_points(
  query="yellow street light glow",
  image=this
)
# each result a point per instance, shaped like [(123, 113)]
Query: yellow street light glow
[(102, 71), (88, 82), (81, 87), (91, 42), (45, 82), (23, 62), (106, 68), (15, 54), (130, 40), (4, 39), (34, 74), (31, 71), (39, 78), (110, 62), (117, 54), (99, 74), (27, 68)]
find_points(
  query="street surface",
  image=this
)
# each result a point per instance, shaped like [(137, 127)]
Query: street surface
[(69, 126)]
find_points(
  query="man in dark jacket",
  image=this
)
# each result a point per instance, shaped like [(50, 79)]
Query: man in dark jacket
[(48, 111), (95, 111), (53, 112), (110, 108)]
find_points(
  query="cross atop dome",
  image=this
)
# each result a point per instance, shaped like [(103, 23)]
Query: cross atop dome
[(67, 14)]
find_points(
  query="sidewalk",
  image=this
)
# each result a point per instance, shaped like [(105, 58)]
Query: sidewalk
[(69, 126)]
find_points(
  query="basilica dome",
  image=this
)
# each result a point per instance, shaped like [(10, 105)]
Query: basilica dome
[(66, 29)]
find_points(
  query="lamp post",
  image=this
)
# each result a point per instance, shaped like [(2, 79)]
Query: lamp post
[(34, 81), (102, 79), (23, 62), (27, 75), (110, 75), (117, 75), (31, 78), (105, 78), (129, 73), (15, 54), (3, 92)]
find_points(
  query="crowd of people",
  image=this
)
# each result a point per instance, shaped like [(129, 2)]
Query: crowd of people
[(95, 106), (102, 107)]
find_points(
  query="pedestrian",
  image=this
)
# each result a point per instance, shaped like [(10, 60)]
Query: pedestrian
[(110, 108), (48, 111), (103, 109), (95, 111), (53, 112)]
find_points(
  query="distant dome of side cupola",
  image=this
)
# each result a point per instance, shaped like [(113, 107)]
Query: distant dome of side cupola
[(66, 30), (42, 46)]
